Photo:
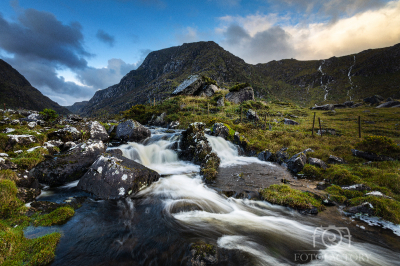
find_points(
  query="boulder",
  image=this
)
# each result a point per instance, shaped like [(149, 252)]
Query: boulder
[(325, 107), (113, 176), (159, 120), (297, 162), (70, 166), (290, 122), (68, 145), (349, 103), (34, 117), (252, 115), (370, 156), (317, 162), (19, 139), (131, 130), (98, 131), (7, 164), (220, 130), (210, 90), (240, 96), (265, 155), (364, 208), (280, 156), (65, 134), (335, 160), (388, 104), (374, 99), (221, 102), (190, 86), (173, 125), (32, 125)]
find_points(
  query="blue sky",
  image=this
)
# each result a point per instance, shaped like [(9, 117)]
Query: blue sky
[(70, 49)]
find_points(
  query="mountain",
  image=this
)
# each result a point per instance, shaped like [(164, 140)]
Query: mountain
[(16, 92), (303, 82), (76, 107)]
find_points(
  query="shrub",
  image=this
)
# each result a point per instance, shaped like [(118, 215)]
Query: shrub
[(312, 172), (209, 80), (238, 86), (48, 114), (380, 145)]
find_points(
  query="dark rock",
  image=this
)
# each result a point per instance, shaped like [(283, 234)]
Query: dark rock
[(45, 206), (317, 162), (264, 155), (290, 122), (113, 176), (338, 106), (111, 129), (131, 130), (74, 117), (7, 164), (313, 211), (389, 99), (221, 102), (98, 132), (252, 115), (280, 156), (349, 103), (325, 107), (356, 105), (27, 194), (70, 166), (159, 121), (220, 130), (240, 96), (335, 160), (67, 146), (19, 139), (365, 208), (68, 133), (210, 90), (388, 104), (370, 156), (322, 185), (297, 162), (374, 99)]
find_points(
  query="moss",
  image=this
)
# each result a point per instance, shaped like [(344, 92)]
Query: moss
[(9, 203), (312, 172), (380, 145), (58, 216), (286, 196), (203, 249), (28, 160), (8, 174), (339, 175), (342, 196)]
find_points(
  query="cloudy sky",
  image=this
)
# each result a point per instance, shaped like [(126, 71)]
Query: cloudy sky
[(70, 49)]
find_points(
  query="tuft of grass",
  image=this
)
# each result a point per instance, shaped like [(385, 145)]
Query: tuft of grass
[(239, 86), (312, 172), (8, 175), (56, 217), (9, 203), (381, 145), (28, 160), (286, 196)]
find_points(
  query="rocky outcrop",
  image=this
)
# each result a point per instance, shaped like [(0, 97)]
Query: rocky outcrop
[(252, 115), (220, 130), (376, 99), (196, 148), (317, 162), (371, 156), (131, 130), (240, 96), (388, 104), (70, 166), (189, 86), (98, 132), (326, 107), (210, 90), (65, 134), (159, 121), (221, 102), (113, 176), (297, 162), (19, 139)]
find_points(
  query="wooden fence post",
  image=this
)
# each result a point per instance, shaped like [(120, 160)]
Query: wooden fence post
[(320, 128), (313, 123), (359, 126)]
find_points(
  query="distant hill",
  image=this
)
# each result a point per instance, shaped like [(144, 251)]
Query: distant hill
[(337, 79), (76, 107), (16, 92)]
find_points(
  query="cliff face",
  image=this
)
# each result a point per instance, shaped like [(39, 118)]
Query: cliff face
[(304, 82), (17, 92)]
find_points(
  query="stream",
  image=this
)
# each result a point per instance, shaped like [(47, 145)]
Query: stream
[(158, 225)]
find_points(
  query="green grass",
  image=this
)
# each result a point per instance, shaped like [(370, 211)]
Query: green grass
[(56, 217), (287, 196)]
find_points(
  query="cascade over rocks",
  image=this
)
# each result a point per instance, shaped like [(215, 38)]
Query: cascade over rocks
[(113, 176), (131, 130), (240, 96), (196, 148), (69, 166)]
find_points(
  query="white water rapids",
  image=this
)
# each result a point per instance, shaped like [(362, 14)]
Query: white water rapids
[(269, 234)]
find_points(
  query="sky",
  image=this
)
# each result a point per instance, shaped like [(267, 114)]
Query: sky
[(70, 49)]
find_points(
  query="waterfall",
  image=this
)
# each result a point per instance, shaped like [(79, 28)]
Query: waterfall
[(349, 75), (324, 87)]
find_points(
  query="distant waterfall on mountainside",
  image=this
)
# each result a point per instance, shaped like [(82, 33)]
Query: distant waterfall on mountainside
[(324, 87), (351, 82)]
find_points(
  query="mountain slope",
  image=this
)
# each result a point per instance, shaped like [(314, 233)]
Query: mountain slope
[(76, 107), (17, 92), (303, 82)]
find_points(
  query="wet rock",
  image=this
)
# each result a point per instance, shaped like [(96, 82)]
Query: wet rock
[(365, 208), (388, 104), (313, 211), (173, 125), (325, 107), (297, 162), (131, 130), (98, 132), (70, 166), (252, 115), (335, 160), (65, 134), (44, 206), (374, 99), (265, 155), (113, 176), (220, 130), (317, 162), (290, 122), (221, 102), (370, 156), (203, 254), (240, 96), (27, 194), (19, 139)]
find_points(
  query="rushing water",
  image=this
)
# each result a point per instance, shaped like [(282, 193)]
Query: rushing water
[(157, 226)]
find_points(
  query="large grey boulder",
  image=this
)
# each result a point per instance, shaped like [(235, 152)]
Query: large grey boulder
[(220, 130), (65, 134), (297, 162), (131, 130), (240, 96), (159, 120), (210, 90), (69, 166), (113, 176), (189, 86), (98, 131), (388, 104)]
